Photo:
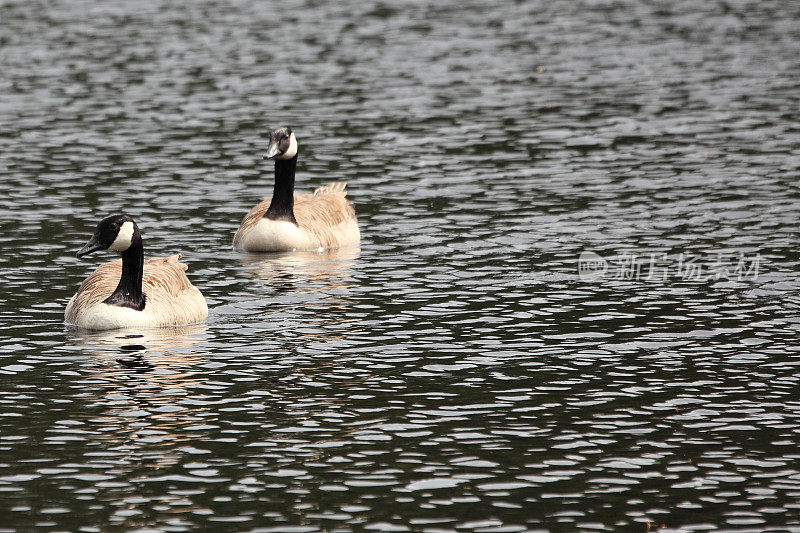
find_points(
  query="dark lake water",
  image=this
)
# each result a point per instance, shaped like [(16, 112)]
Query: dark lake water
[(459, 371)]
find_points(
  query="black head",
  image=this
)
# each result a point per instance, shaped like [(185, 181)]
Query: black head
[(282, 144), (115, 233)]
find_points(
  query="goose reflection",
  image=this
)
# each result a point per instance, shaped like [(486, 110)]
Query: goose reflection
[(303, 272), (162, 356), (160, 347), (147, 410), (138, 383)]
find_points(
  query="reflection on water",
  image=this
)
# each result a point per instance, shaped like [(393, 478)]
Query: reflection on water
[(168, 340), (135, 423), (141, 381), (305, 272), (154, 353), (456, 373)]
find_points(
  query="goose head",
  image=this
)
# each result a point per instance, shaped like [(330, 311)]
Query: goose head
[(282, 144), (115, 233)]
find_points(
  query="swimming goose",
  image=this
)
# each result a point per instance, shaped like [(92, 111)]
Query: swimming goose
[(155, 292), (288, 221)]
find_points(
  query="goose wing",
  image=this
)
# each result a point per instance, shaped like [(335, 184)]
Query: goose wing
[(95, 288), (165, 277), (251, 219), (171, 297), (326, 208)]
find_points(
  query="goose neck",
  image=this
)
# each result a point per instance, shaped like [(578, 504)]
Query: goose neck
[(129, 290), (282, 205)]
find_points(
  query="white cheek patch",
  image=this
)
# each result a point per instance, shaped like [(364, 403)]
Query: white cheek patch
[(124, 238), (292, 150)]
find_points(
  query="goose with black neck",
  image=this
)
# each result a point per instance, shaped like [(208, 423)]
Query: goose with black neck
[(292, 222), (133, 292)]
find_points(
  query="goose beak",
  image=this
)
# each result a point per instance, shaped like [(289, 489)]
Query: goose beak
[(272, 151), (92, 246)]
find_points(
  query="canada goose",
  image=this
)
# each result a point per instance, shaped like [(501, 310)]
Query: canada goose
[(155, 292), (288, 221)]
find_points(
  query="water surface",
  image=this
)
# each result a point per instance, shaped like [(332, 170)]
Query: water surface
[(455, 373)]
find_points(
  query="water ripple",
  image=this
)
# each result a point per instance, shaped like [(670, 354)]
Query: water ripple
[(455, 372)]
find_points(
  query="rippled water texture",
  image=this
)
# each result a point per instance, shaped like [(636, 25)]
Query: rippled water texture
[(456, 373)]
